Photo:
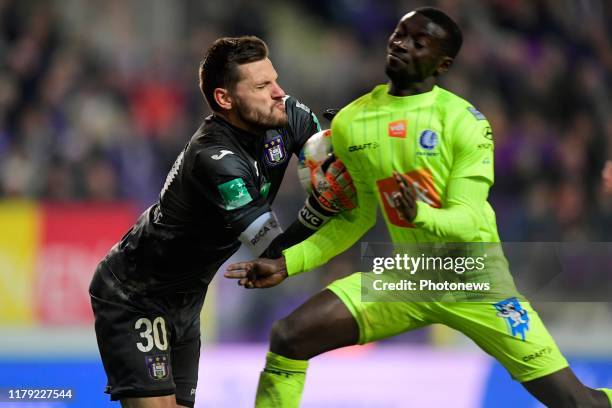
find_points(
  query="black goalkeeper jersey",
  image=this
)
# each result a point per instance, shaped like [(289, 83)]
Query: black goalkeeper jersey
[(223, 180)]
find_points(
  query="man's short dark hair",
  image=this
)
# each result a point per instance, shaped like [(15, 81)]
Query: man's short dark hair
[(453, 32), (219, 68)]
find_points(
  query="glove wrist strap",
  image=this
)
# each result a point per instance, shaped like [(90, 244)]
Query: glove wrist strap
[(313, 215)]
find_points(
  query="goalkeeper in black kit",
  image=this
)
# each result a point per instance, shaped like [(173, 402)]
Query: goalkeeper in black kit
[(147, 293)]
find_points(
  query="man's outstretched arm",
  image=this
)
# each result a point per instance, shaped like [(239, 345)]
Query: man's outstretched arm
[(332, 192), (339, 234), (258, 273)]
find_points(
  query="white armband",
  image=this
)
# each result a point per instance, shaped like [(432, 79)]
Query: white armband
[(258, 236)]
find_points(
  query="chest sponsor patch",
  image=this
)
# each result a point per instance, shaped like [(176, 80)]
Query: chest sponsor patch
[(234, 194), (423, 184), (398, 128), (274, 151)]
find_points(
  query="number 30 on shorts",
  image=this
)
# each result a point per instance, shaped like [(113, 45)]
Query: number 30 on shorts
[(152, 333)]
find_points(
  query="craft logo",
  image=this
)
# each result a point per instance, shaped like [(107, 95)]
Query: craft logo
[(356, 148), (275, 151), (398, 128)]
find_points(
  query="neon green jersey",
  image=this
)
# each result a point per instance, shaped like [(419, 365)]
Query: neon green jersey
[(433, 138)]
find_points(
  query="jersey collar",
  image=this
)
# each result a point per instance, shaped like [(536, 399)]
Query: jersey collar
[(247, 140), (381, 94)]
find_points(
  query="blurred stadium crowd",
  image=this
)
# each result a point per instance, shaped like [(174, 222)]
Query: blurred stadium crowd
[(98, 98)]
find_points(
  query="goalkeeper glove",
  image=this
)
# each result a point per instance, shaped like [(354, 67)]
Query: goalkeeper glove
[(332, 192)]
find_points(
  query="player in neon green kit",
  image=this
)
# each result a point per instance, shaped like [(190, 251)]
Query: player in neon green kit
[(443, 148)]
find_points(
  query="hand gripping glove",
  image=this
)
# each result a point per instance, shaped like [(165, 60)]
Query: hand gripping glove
[(332, 192)]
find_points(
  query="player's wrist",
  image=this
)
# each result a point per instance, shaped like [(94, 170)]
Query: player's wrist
[(282, 265), (293, 260), (422, 214)]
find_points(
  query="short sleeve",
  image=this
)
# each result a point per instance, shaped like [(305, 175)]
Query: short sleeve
[(229, 184), (473, 147)]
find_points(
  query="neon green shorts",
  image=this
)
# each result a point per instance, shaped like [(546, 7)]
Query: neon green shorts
[(509, 330)]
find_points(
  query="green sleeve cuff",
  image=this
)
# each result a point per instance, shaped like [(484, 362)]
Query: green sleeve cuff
[(423, 214), (294, 260)]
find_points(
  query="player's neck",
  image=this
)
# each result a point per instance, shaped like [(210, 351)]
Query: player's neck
[(237, 122), (412, 88)]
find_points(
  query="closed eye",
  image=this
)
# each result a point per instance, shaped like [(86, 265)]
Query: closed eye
[(262, 85)]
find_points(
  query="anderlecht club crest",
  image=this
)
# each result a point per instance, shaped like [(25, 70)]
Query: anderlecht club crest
[(158, 367), (275, 151)]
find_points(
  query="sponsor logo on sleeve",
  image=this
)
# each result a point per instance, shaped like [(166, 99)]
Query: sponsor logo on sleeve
[(476, 113), (398, 128), (488, 133), (263, 231), (234, 194)]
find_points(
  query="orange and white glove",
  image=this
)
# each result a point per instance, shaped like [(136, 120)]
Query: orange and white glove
[(332, 192)]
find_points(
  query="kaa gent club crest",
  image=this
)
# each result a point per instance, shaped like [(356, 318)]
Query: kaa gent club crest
[(274, 150)]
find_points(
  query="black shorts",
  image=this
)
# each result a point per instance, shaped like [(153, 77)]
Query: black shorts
[(150, 345)]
